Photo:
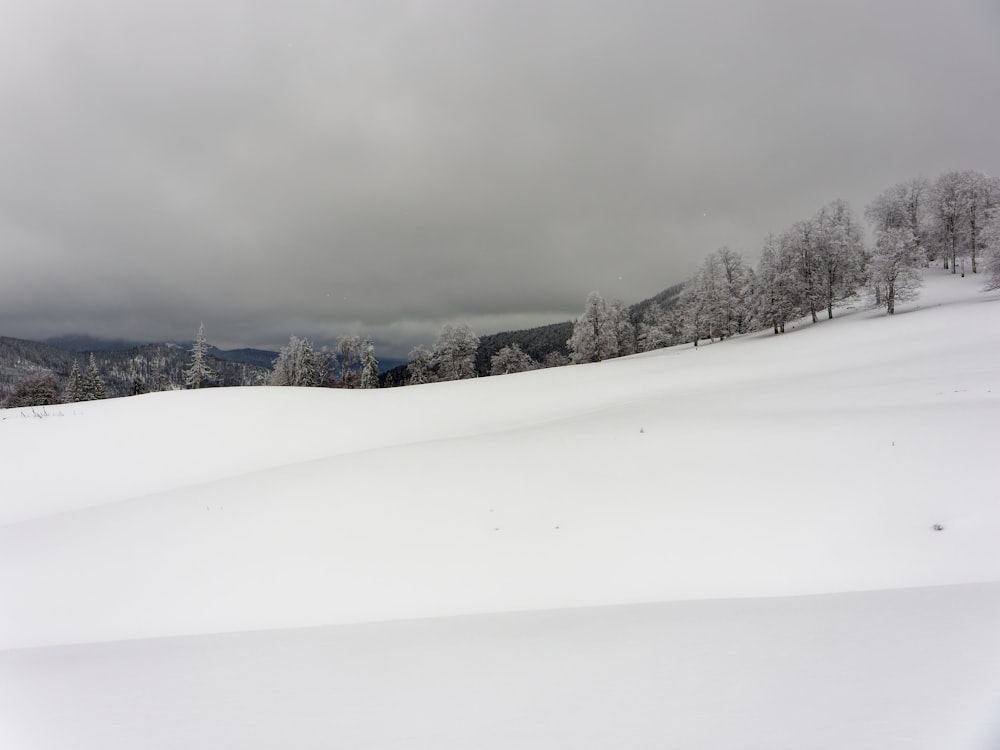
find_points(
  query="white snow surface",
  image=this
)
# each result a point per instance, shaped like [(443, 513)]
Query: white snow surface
[(724, 547)]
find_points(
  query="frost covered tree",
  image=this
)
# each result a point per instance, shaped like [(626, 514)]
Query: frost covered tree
[(92, 386), (961, 201), (349, 354), (74, 390), (991, 249), (894, 268), (905, 205), (511, 359), (736, 285), (556, 359), (715, 303), (419, 370), (800, 245), (35, 390), (657, 329), (982, 195), (839, 246), (948, 211), (158, 378), (773, 289), (454, 356), (595, 333), (369, 365), (295, 364), (624, 329), (198, 371)]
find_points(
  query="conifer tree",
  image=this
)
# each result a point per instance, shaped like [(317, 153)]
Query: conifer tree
[(369, 365), (295, 364), (92, 386), (198, 371), (74, 391)]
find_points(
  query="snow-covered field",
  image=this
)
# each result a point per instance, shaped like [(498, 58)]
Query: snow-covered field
[(722, 548)]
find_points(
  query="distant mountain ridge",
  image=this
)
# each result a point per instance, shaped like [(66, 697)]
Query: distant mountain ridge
[(129, 365)]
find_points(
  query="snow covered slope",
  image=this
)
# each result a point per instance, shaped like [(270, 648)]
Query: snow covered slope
[(772, 474)]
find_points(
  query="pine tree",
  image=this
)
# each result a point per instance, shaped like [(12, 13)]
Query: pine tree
[(74, 391), (295, 364), (92, 385), (198, 371), (369, 365), (158, 379)]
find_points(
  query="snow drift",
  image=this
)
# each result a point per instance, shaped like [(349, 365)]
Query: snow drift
[(246, 567)]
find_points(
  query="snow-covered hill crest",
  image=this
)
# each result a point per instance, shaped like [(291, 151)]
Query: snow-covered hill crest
[(854, 455)]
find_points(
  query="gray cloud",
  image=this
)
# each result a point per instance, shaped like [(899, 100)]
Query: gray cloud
[(370, 167)]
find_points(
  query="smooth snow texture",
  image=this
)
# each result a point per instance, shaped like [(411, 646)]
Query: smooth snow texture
[(811, 463)]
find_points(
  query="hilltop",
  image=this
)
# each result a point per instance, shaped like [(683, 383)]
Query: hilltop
[(779, 541)]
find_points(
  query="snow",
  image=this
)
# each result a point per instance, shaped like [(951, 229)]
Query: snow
[(724, 547)]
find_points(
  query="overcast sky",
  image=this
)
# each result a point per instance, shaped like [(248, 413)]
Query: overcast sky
[(383, 167)]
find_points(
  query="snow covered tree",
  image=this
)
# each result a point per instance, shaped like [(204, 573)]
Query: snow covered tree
[(657, 329), (696, 308), (369, 365), (735, 291), (715, 303), (92, 387), (903, 206), (595, 333), (556, 359), (35, 390), (74, 390), (800, 245), (454, 356), (624, 330), (895, 265), (295, 364), (948, 212), (991, 249), (349, 353), (773, 288), (326, 367), (982, 195), (198, 370), (839, 247), (158, 378), (419, 369), (511, 359)]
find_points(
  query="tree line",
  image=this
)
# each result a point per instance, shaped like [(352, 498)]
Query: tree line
[(822, 261), (804, 271)]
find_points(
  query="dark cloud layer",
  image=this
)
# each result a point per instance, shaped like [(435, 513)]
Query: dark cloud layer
[(318, 168)]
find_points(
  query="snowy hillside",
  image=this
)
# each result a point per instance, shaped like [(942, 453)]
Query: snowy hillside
[(725, 547)]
